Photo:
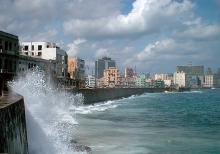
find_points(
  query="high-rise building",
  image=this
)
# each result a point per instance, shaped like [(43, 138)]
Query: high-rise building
[(194, 74), (101, 65), (191, 70)]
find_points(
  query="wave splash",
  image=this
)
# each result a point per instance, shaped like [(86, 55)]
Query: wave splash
[(100, 107), (50, 123)]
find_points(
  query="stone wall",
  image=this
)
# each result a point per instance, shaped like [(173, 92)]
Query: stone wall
[(103, 94), (13, 136)]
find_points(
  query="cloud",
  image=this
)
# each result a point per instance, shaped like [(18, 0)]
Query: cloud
[(73, 48), (102, 52), (197, 30), (152, 35), (166, 53), (147, 16), (32, 17)]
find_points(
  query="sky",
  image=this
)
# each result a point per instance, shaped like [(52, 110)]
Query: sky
[(149, 35)]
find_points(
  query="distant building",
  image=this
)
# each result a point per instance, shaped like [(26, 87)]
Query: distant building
[(158, 84), (129, 72), (112, 77), (140, 81), (149, 83), (76, 68), (128, 82), (209, 71), (101, 65), (218, 75), (191, 70), (100, 82), (180, 79), (166, 78), (161, 77), (194, 75), (210, 81), (90, 81), (218, 72), (168, 83), (48, 51)]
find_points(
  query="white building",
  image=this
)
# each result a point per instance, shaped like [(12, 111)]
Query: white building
[(90, 81), (168, 83), (47, 51), (100, 82), (210, 81), (161, 77), (180, 79)]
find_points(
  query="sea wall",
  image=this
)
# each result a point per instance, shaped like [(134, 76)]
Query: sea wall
[(13, 136), (103, 94)]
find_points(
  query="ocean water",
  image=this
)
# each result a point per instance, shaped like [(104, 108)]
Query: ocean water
[(154, 123)]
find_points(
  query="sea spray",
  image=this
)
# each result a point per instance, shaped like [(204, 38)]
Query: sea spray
[(50, 123)]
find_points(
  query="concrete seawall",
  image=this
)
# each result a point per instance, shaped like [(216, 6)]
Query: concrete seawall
[(13, 135), (103, 94)]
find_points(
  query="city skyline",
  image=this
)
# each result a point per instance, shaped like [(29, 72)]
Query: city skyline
[(154, 36)]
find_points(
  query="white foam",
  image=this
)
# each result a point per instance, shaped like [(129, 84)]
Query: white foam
[(49, 120), (99, 107)]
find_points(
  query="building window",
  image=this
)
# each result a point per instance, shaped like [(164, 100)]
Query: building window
[(48, 46), (25, 48), (32, 53), (39, 47), (1, 47), (32, 47), (6, 45), (10, 46), (26, 53), (39, 53)]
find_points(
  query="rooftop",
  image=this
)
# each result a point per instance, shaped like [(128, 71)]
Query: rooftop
[(8, 35)]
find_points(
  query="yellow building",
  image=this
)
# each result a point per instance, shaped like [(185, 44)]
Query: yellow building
[(111, 77), (76, 68), (72, 67)]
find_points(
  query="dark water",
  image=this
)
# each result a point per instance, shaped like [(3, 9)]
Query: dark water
[(167, 123)]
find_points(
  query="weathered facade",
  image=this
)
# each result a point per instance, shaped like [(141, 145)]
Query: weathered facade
[(9, 51)]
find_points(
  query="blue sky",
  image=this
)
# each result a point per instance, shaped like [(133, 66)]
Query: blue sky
[(153, 35)]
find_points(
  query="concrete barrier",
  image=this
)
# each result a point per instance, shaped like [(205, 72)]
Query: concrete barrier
[(103, 94), (13, 135)]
